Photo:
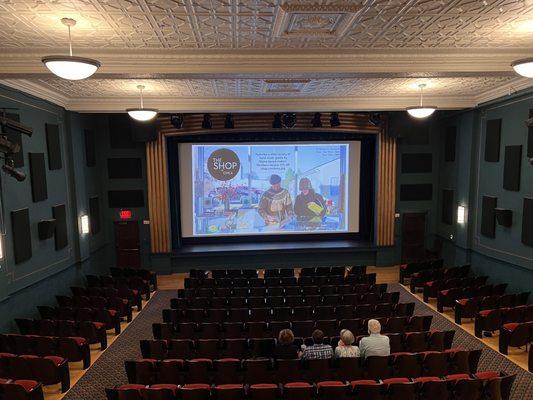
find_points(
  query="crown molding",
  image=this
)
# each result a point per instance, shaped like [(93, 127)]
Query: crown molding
[(37, 90), (504, 90), (153, 63)]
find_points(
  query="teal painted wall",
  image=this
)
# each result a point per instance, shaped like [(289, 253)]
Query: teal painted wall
[(504, 258), (48, 272)]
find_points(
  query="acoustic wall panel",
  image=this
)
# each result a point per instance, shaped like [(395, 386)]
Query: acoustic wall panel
[(416, 192), (120, 132), (492, 140), (15, 137), (417, 163), (527, 222), (94, 215), (448, 206), (124, 168), (512, 168), (90, 148), (450, 144), (20, 225), (53, 144), (125, 198), (530, 137), (59, 213), (488, 216), (39, 190)]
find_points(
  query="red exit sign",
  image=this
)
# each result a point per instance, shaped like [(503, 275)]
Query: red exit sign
[(125, 214)]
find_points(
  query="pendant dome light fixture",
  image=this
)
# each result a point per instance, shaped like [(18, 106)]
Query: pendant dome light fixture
[(524, 67), (421, 111), (141, 113), (71, 67)]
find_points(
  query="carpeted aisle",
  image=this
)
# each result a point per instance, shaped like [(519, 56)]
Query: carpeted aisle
[(108, 370)]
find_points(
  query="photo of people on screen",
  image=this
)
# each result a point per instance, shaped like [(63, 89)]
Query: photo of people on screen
[(269, 188)]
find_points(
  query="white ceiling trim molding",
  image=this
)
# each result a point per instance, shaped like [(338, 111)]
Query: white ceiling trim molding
[(504, 90), (37, 90), (417, 62), (195, 104)]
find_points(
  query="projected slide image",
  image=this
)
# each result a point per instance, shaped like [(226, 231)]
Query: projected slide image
[(269, 188)]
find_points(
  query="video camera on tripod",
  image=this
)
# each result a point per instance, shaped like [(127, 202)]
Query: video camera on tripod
[(9, 127)]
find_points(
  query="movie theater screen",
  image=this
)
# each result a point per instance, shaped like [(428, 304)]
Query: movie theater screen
[(269, 188)]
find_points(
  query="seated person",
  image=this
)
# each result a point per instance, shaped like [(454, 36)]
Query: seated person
[(319, 350), (376, 344), (285, 348), (345, 348)]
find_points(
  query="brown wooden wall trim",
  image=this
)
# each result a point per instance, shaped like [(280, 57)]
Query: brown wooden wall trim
[(158, 201), (386, 192)]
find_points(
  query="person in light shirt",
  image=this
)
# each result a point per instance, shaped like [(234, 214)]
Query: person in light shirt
[(345, 348), (375, 344)]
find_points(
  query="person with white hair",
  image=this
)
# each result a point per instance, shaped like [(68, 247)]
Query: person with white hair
[(375, 344), (345, 347)]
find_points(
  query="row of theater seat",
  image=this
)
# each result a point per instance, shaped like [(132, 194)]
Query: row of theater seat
[(477, 285), (287, 300), (123, 307), (92, 332), (234, 330), (71, 348), (250, 371), (278, 272), (264, 347), (134, 283), (132, 295), (512, 307), (195, 283), (418, 279), (481, 386), (407, 270), (145, 274), (49, 370), (260, 314), (110, 318), (20, 389)]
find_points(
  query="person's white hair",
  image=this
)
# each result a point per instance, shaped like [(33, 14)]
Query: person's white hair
[(374, 326)]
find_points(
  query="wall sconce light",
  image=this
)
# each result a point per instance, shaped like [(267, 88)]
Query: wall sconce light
[(84, 220), (461, 212), (1, 247)]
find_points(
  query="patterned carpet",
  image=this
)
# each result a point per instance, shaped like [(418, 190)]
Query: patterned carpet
[(108, 370)]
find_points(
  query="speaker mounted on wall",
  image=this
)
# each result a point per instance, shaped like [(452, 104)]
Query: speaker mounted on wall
[(504, 217), (450, 144), (492, 140), (20, 225), (46, 228), (59, 212), (488, 216)]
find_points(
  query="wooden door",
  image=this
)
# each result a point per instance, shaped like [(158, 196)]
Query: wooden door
[(413, 237), (127, 244)]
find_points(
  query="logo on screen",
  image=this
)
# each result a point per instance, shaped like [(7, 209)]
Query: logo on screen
[(223, 164)]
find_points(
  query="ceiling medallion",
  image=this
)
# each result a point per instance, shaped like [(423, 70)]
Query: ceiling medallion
[(301, 20)]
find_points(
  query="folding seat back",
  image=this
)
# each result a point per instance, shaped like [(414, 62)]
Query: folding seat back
[(396, 325), (235, 348), (209, 330), (364, 311), (288, 371), (331, 299), (230, 392), (160, 392), (262, 314), (219, 302), (256, 302), (47, 327), (302, 313), (458, 361), (157, 349), (23, 344), (239, 314), (262, 347), (277, 326), (317, 370), (344, 312), (227, 371), (195, 391), (367, 389), (488, 303), (293, 301), (400, 388), (383, 310), (232, 330), (222, 292), (208, 348), (19, 368), (199, 370), (350, 299), (467, 389), (259, 291), (396, 342), (506, 301), (313, 300), (200, 302), (180, 349), (328, 326), (143, 371), (369, 298), (405, 365), (257, 329), (324, 312), (298, 391), (432, 388), (436, 341), (219, 315), (307, 271), (416, 342), (348, 369), (377, 367), (434, 363), (281, 314), (257, 371), (275, 291), (171, 371), (332, 390), (288, 281)]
